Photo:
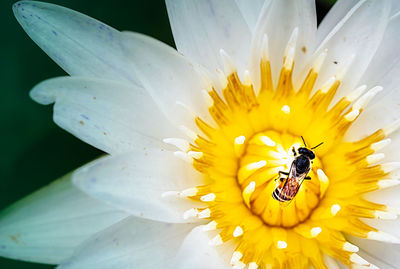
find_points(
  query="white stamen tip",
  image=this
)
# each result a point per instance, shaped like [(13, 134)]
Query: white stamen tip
[(350, 247), (392, 127), (229, 67), (170, 194), (192, 135), (247, 78), (386, 183), (209, 101), (321, 176), (366, 98), (206, 213), (328, 85), (191, 213), (236, 256), (382, 236), (286, 109), (385, 215), (265, 48), (181, 144), (389, 167), (238, 231), (256, 165), (335, 209), (183, 156), (239, 265), (373, 158), (240, 140), (212, 225), (319, 61), (352, 115), (358, 260), (315, 231), (250, 188), (281, 244), (253, 265), (223, 81), (216, 241), (351, 97), (381, 144), (208, 197), (267, 141), (195, 154), (189, 192)]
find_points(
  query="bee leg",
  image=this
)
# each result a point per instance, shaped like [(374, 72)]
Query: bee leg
[(284, 173), (307, 178), (282, 179), (294, 152)]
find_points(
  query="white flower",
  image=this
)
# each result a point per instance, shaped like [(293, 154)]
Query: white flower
[(194, 151)]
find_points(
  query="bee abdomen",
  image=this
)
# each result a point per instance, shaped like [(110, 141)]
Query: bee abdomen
[(279, 196)]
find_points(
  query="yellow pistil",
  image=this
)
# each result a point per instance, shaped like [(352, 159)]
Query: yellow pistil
[(253, 140)]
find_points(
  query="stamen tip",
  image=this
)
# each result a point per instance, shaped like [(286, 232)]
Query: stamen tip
[(286, 109), (281, 244), (315, 231), (204, 214), (358, 260), (238, 231), (208, 197), (216, 241), (253, 265), (335, 209), (236, 256), (350, 247)]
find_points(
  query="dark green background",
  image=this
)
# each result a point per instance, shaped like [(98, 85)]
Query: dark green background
[(33, 150)]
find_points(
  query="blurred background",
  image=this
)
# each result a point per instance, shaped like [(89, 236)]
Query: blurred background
[(34, 151)]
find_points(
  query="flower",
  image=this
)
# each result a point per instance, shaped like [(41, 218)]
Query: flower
[(195, 151)]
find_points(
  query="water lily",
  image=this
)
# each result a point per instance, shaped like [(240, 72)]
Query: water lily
[(196, 139)]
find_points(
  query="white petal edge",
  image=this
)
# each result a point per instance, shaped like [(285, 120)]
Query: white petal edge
[(353, 42), (250, 11), (202, 28), (79, 44), (170, 78), (136, 181), (384, 70), (49, 224), (109, 115), (197, 253), (381, 254), (132, 243), (277, 20)]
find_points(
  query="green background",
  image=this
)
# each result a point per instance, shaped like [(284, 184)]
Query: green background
[(34, 151)]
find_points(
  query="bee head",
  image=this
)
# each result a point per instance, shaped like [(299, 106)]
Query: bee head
[(307, 152)]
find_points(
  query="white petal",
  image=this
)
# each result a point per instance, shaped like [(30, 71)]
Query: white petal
[(384, 71), (277, 20), (202, 28), (250, 11), (47, 225), (383, 255), (168, 76), (79, 44), (132, 243), (197, 253), (136, 181), (109, 115), (334, 16), (354, 40)]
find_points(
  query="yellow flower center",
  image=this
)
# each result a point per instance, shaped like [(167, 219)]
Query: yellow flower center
[(253, 139)]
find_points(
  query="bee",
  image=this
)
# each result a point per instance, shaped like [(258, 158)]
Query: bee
[(299, 169)]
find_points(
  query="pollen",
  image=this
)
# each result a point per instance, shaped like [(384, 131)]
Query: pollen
[(253, 136)]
